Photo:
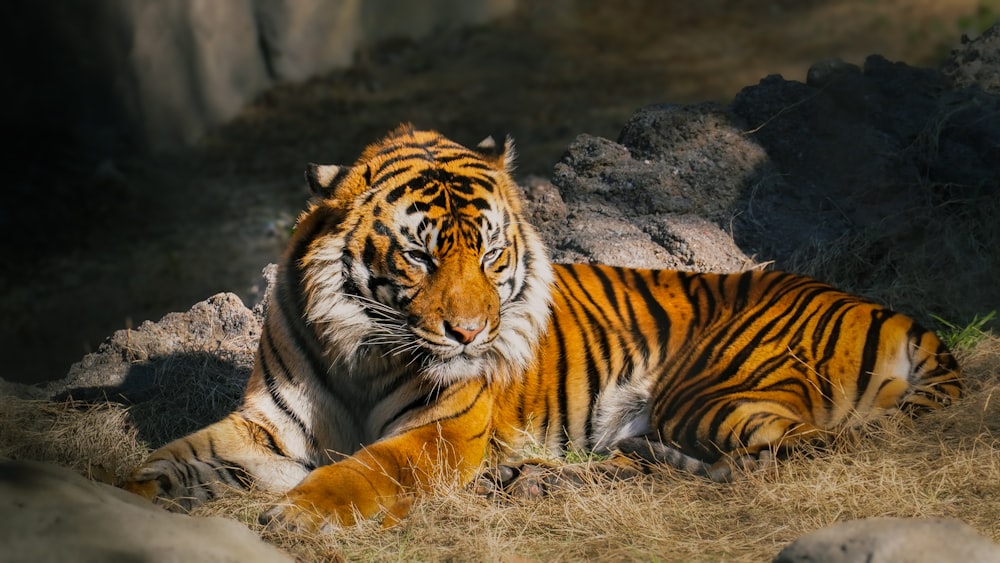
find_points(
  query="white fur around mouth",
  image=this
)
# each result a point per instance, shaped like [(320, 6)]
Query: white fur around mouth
[(449, 352), (457, 368), (452, 362)]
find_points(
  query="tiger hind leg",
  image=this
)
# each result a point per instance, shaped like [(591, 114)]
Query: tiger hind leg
[(233, 453), (632, 457), (636, 455), (628, 458)]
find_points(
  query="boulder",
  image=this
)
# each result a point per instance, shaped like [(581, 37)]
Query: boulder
[(892, 540), (643, 204), (49, 513)]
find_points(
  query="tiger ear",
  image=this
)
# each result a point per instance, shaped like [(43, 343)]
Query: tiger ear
[(487, 145), (323, 179), (500, 156)]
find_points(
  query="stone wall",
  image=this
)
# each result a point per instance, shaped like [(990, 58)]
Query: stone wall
[(113, 76)]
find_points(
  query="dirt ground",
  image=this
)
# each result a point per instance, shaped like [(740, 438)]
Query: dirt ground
[(158, 234)]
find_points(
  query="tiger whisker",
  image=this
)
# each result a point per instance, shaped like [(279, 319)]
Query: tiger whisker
[(384, 340), (424, 360), (403, 351), (388, 312)]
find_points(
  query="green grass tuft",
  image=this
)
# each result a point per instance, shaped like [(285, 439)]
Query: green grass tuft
[(958, 337)]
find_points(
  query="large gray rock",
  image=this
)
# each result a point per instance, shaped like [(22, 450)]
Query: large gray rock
[(892, 540), (656, 199), (220, 326), (191, 65), (49, 513), (303, 37), (196, 362)]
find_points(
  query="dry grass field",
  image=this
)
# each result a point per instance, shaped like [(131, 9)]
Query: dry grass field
[(946, 464)]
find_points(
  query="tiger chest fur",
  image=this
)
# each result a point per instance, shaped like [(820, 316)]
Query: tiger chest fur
[(417, 328)]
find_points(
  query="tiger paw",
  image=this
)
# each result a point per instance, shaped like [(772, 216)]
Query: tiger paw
[(524, 480), (322, 501), (156, 482), (302, 516), (730, 468), (339, 495)]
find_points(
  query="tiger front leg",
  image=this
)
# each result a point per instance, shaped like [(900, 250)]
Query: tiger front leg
[(381, 479), (233, 453)]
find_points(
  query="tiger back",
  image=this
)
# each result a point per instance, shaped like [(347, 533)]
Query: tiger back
[(706, 372), (417, 329)]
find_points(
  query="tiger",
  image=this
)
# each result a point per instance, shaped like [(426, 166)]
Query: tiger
[(417, 328)]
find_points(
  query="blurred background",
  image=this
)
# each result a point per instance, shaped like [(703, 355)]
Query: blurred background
[(155, 149)]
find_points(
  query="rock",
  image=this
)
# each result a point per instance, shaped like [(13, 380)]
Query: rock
[(698, 153), (892, 540), (545, 203), (220, 325), (976, 62), (196, 362), (156, 75), (848, 154), (653, 208), (829, 71), (49, 513), (668, 159)]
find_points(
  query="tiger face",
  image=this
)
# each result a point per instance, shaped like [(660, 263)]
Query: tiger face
[(429, 266)]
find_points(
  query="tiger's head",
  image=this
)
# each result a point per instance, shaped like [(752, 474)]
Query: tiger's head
[(419, 255)]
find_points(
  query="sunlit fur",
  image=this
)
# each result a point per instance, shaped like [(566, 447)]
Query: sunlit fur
[(417, 329)]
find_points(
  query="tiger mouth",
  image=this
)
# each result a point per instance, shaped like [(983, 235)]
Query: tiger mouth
[(448, 351), (444, 348)]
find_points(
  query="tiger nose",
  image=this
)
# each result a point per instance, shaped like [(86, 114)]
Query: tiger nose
[(461, 333)]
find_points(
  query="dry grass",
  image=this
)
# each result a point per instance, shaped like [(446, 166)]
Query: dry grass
[(946, 464), (98, 441)]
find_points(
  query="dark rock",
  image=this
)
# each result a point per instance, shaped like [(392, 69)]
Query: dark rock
[(976, 63)]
